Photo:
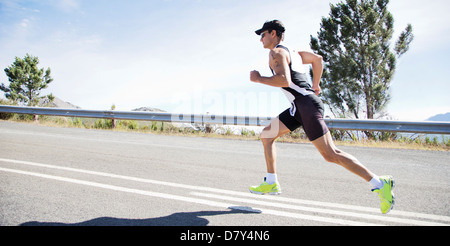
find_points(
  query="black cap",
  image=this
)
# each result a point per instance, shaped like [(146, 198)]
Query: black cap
[(271, 25)]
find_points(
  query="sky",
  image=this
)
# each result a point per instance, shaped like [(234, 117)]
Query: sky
[(195, 56)]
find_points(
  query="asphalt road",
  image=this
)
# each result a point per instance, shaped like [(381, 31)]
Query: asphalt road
[(69, 176)]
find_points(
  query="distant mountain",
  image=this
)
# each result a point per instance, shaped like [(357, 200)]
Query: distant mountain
[(148, 109), (58, 103), (440, 117)]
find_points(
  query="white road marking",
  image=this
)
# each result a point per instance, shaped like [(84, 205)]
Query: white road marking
[(254, 199), (189, 199), (321, 210)]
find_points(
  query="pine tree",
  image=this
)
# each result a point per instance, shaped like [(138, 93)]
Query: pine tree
[(26, 81), (354, 41)]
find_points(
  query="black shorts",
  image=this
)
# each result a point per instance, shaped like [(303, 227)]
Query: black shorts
[(306, 111)]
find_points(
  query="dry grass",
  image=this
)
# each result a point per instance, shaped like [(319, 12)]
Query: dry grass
[(169, 129)]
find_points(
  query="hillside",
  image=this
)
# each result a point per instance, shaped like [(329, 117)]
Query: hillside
[(148, 109), (58, 103), (440, 117)]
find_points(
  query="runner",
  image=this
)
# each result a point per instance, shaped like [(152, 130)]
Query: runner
[(307, 111)]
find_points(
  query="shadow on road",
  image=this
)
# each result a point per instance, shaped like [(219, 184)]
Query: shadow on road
[(176, 219)]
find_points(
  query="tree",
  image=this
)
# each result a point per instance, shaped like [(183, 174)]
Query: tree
[(359, 64), (26, 81)]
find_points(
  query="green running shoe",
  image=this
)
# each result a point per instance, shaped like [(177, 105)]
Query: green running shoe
[(265, 188), (385, 194)]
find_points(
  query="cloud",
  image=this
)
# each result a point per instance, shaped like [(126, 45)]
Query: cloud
[(67, 5), (25, 23)]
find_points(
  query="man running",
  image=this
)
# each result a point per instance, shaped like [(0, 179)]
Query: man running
[(307, 111)]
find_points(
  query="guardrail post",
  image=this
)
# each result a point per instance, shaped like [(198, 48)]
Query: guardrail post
[(110, 115), (208, 127)]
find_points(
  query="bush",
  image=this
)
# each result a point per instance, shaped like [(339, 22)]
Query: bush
[(129, 124), (6, 116), (103, 124)]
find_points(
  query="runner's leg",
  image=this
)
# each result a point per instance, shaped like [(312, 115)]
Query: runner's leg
[(332, 154), (268, 137)]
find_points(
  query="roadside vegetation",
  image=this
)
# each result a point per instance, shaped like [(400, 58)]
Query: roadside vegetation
[(342, 138)]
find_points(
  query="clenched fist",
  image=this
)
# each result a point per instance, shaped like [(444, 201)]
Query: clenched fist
[(255, 76)]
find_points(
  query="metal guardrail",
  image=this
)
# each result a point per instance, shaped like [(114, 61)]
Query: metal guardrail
[(430, 127)]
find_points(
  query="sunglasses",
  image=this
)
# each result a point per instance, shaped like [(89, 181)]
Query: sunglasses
[(264, 33)]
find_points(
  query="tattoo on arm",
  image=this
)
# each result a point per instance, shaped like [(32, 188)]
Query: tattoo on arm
[(280, 69), (277, 64), (275, 61)]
